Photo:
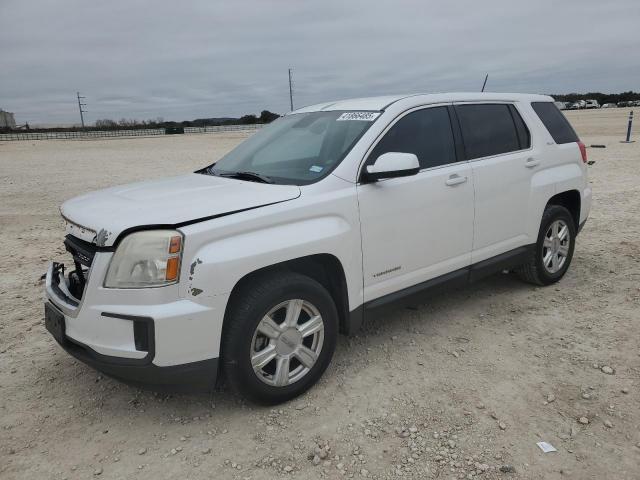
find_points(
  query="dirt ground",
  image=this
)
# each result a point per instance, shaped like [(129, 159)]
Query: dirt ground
[(463, 386)]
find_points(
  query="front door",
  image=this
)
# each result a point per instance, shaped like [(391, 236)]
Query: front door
[(419, 227)]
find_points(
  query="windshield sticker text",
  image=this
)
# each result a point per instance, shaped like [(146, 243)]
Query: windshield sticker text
[(362, 116)]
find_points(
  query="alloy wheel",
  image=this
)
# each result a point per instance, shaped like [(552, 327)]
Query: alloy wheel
[(555, 247), (287, 342)]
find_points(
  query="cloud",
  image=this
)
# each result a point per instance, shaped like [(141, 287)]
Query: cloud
[(204, 58)]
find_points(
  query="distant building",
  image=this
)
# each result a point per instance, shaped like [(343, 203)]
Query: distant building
[(7, 120)]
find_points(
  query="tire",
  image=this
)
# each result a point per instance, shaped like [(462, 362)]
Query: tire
[(535, 270), (278, 294)]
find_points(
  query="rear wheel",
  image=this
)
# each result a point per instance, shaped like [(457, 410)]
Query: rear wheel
[(279, 337), (554, 248)]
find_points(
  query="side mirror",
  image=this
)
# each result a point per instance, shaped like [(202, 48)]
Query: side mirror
[(392, 165)]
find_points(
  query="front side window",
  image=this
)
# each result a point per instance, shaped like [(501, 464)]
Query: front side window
[(297, 149), (426, 133), (489, 129)]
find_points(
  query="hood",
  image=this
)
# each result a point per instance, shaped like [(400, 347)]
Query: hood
[(101, 216)]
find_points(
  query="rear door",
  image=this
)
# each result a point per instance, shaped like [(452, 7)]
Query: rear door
[(418, 227), (497, 144)]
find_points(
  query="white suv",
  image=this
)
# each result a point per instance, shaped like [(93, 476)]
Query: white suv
[(253, 265)]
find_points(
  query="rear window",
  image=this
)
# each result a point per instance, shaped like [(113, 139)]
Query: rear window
[(490, 129), (558, 126)]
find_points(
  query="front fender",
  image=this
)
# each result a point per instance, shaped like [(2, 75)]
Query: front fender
[(220, 252), (219, 265)]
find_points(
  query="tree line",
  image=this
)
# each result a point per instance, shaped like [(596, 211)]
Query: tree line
[(133, 124), (602, 98), (106, 124)]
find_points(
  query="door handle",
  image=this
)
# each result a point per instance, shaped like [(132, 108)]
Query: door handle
[(455, 179), (531, 162)]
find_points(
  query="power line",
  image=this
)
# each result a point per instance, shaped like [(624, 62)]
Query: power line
[(290, 91), (80, 105)]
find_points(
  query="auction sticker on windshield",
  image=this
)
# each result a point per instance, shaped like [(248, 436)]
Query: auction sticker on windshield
[(362, 116)]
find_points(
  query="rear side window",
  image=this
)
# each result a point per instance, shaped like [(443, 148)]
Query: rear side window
[(426, 133), (489, 129), (558, 126)]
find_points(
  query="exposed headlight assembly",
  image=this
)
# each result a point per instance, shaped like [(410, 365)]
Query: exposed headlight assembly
[(145, 259)]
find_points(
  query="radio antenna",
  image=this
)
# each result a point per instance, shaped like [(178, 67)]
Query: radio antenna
[(485, 82)]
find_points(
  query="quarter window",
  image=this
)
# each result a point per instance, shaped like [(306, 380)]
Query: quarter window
[(426, 133), (558, 126), (524, 137), (490, 129)]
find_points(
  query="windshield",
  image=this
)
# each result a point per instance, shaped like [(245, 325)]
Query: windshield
[(296, 149)]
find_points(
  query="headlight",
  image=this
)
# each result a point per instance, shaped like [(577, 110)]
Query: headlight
[(146, 259)]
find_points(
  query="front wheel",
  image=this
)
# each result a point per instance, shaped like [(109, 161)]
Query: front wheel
[(554, 248), (279, 337)]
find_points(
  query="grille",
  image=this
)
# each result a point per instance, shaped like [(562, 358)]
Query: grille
[(83, 254)]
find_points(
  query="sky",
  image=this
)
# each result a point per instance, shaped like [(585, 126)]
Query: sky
[(182, 60)]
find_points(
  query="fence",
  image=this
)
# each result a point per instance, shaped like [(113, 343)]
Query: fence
[(223, 128), (143, 132)]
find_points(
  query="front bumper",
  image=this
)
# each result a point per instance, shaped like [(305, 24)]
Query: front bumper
[(140, 337), (193, 376)]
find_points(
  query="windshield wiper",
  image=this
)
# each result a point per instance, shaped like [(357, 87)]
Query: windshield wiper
[(251, 176)]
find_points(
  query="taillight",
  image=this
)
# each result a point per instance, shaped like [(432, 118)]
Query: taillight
[(583, 151)]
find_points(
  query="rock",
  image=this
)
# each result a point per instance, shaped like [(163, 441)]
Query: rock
[(583, 420), (142, 451), (206, 451), (364, 472), (316, 460), (98, 471), (551, 398), (608, 424), (507, 469), (607, 369), (288, 468), (502, 426), (586, 395), (625, 390)]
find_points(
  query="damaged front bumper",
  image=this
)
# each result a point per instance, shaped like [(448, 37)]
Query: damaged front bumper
[(146, 337)]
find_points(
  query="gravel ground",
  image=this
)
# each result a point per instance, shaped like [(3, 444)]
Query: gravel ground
[(461, 387)]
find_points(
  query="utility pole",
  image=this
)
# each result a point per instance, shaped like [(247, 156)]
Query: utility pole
[(290, 91), (80, 105), (485, 82)]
